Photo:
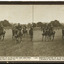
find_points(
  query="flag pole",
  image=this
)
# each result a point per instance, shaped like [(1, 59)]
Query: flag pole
[(32, 14)]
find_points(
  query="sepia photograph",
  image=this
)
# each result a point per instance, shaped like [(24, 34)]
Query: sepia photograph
[(31, 30)]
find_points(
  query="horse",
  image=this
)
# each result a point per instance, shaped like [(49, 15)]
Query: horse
[(2, 34), (62, 33), (45, 34), (14, 33), (48, 34), (24, 31), (17, 34), (51, 35)]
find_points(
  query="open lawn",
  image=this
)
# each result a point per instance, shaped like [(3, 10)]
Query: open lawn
[(9, 47)]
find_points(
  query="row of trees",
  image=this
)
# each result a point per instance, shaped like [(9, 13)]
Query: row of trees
[(55, 23)]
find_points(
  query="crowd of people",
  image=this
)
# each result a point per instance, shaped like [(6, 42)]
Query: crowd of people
[(18, 28)]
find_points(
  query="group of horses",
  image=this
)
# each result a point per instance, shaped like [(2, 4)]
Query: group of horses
[(18, 34), (48, 34)]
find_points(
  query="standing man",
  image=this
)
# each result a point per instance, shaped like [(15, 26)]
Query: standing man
[(31, 33)]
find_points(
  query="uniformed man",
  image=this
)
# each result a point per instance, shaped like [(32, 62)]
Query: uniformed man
[(31, 33)]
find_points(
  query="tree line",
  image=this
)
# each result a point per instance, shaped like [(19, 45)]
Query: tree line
[(55, 23)]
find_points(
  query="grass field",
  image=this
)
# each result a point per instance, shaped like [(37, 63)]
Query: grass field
[(9, 47)]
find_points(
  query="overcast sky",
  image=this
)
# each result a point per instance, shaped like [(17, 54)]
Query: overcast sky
[(23, 13)]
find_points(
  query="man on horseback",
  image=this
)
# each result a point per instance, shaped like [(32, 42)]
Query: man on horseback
[(2, 32), (51, 31), (45, 29), (17, 32), (62, 32), (48, 32), (51, 28), (19, 28), (1, 28), (24, 30)]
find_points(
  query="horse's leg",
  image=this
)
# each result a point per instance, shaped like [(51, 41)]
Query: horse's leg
[(31, 37), (53, 36), (42, 37), (12, 36), (17, 39), (20, 38), (24, 34), (3, 37), (62, 37), (50, 37), (0, 37), (45, 37)]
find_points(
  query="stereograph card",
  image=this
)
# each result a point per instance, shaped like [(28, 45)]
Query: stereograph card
[(31, 31)]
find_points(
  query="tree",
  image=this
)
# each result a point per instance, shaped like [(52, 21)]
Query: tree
[(55, 23), (39, 24), (5, 23), (29, 24), (34, 24)]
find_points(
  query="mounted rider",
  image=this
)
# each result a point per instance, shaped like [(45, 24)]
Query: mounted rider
[(24, 29), (18, 28), (51, 28), (1, 28), (47, 28)]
